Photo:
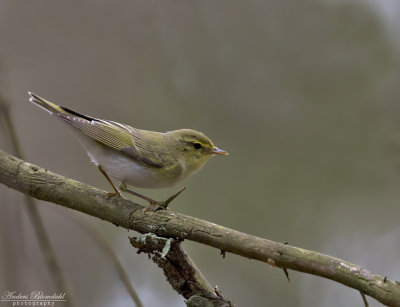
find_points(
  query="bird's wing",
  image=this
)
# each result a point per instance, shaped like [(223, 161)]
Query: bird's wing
[(117, 136)]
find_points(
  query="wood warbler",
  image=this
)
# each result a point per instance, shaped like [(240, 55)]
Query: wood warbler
[(136, 157)]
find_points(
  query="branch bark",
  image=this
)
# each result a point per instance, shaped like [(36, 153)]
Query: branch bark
[(45, 185), (181, 272)]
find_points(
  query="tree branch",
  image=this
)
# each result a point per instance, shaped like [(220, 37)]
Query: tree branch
[(180, 270), (45, 185)]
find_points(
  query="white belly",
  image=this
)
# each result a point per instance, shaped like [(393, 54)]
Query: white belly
[(125, 169)]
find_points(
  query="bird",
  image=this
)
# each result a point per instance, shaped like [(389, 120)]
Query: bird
[(136, 157)]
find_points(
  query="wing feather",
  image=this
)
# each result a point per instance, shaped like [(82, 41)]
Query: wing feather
[(117, 136)]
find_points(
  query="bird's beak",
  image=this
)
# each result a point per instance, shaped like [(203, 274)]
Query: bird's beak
[(217, 151)]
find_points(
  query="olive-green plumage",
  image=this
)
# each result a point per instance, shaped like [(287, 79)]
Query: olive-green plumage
[(133, 156)]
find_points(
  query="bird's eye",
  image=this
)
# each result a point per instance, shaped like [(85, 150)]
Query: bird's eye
[(197, 145)]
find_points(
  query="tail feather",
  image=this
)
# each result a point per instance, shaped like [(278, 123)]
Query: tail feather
[(45, 104)]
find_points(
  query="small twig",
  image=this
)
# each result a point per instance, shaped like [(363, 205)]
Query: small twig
[(364, 298), (223, 254), (286, 273)]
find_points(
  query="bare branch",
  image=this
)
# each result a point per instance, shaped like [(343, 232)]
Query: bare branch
[(180, 270), (364, 298), (45, 185)]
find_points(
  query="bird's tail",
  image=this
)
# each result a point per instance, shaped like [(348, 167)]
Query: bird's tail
[(45, 104)]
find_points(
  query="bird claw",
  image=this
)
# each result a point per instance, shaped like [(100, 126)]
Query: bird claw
[(156, 206), (112, 194), (162, 205)]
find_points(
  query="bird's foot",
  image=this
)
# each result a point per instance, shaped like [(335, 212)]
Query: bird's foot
[(156, 205), (112, 194)]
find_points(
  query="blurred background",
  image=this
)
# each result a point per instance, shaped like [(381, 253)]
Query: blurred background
[(303, 95)]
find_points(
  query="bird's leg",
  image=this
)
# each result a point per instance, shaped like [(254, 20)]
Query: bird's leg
[(154, 205), (164, 204), (124, 188), (110, 194)]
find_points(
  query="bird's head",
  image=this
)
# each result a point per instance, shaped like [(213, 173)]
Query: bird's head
[(192, 148)]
